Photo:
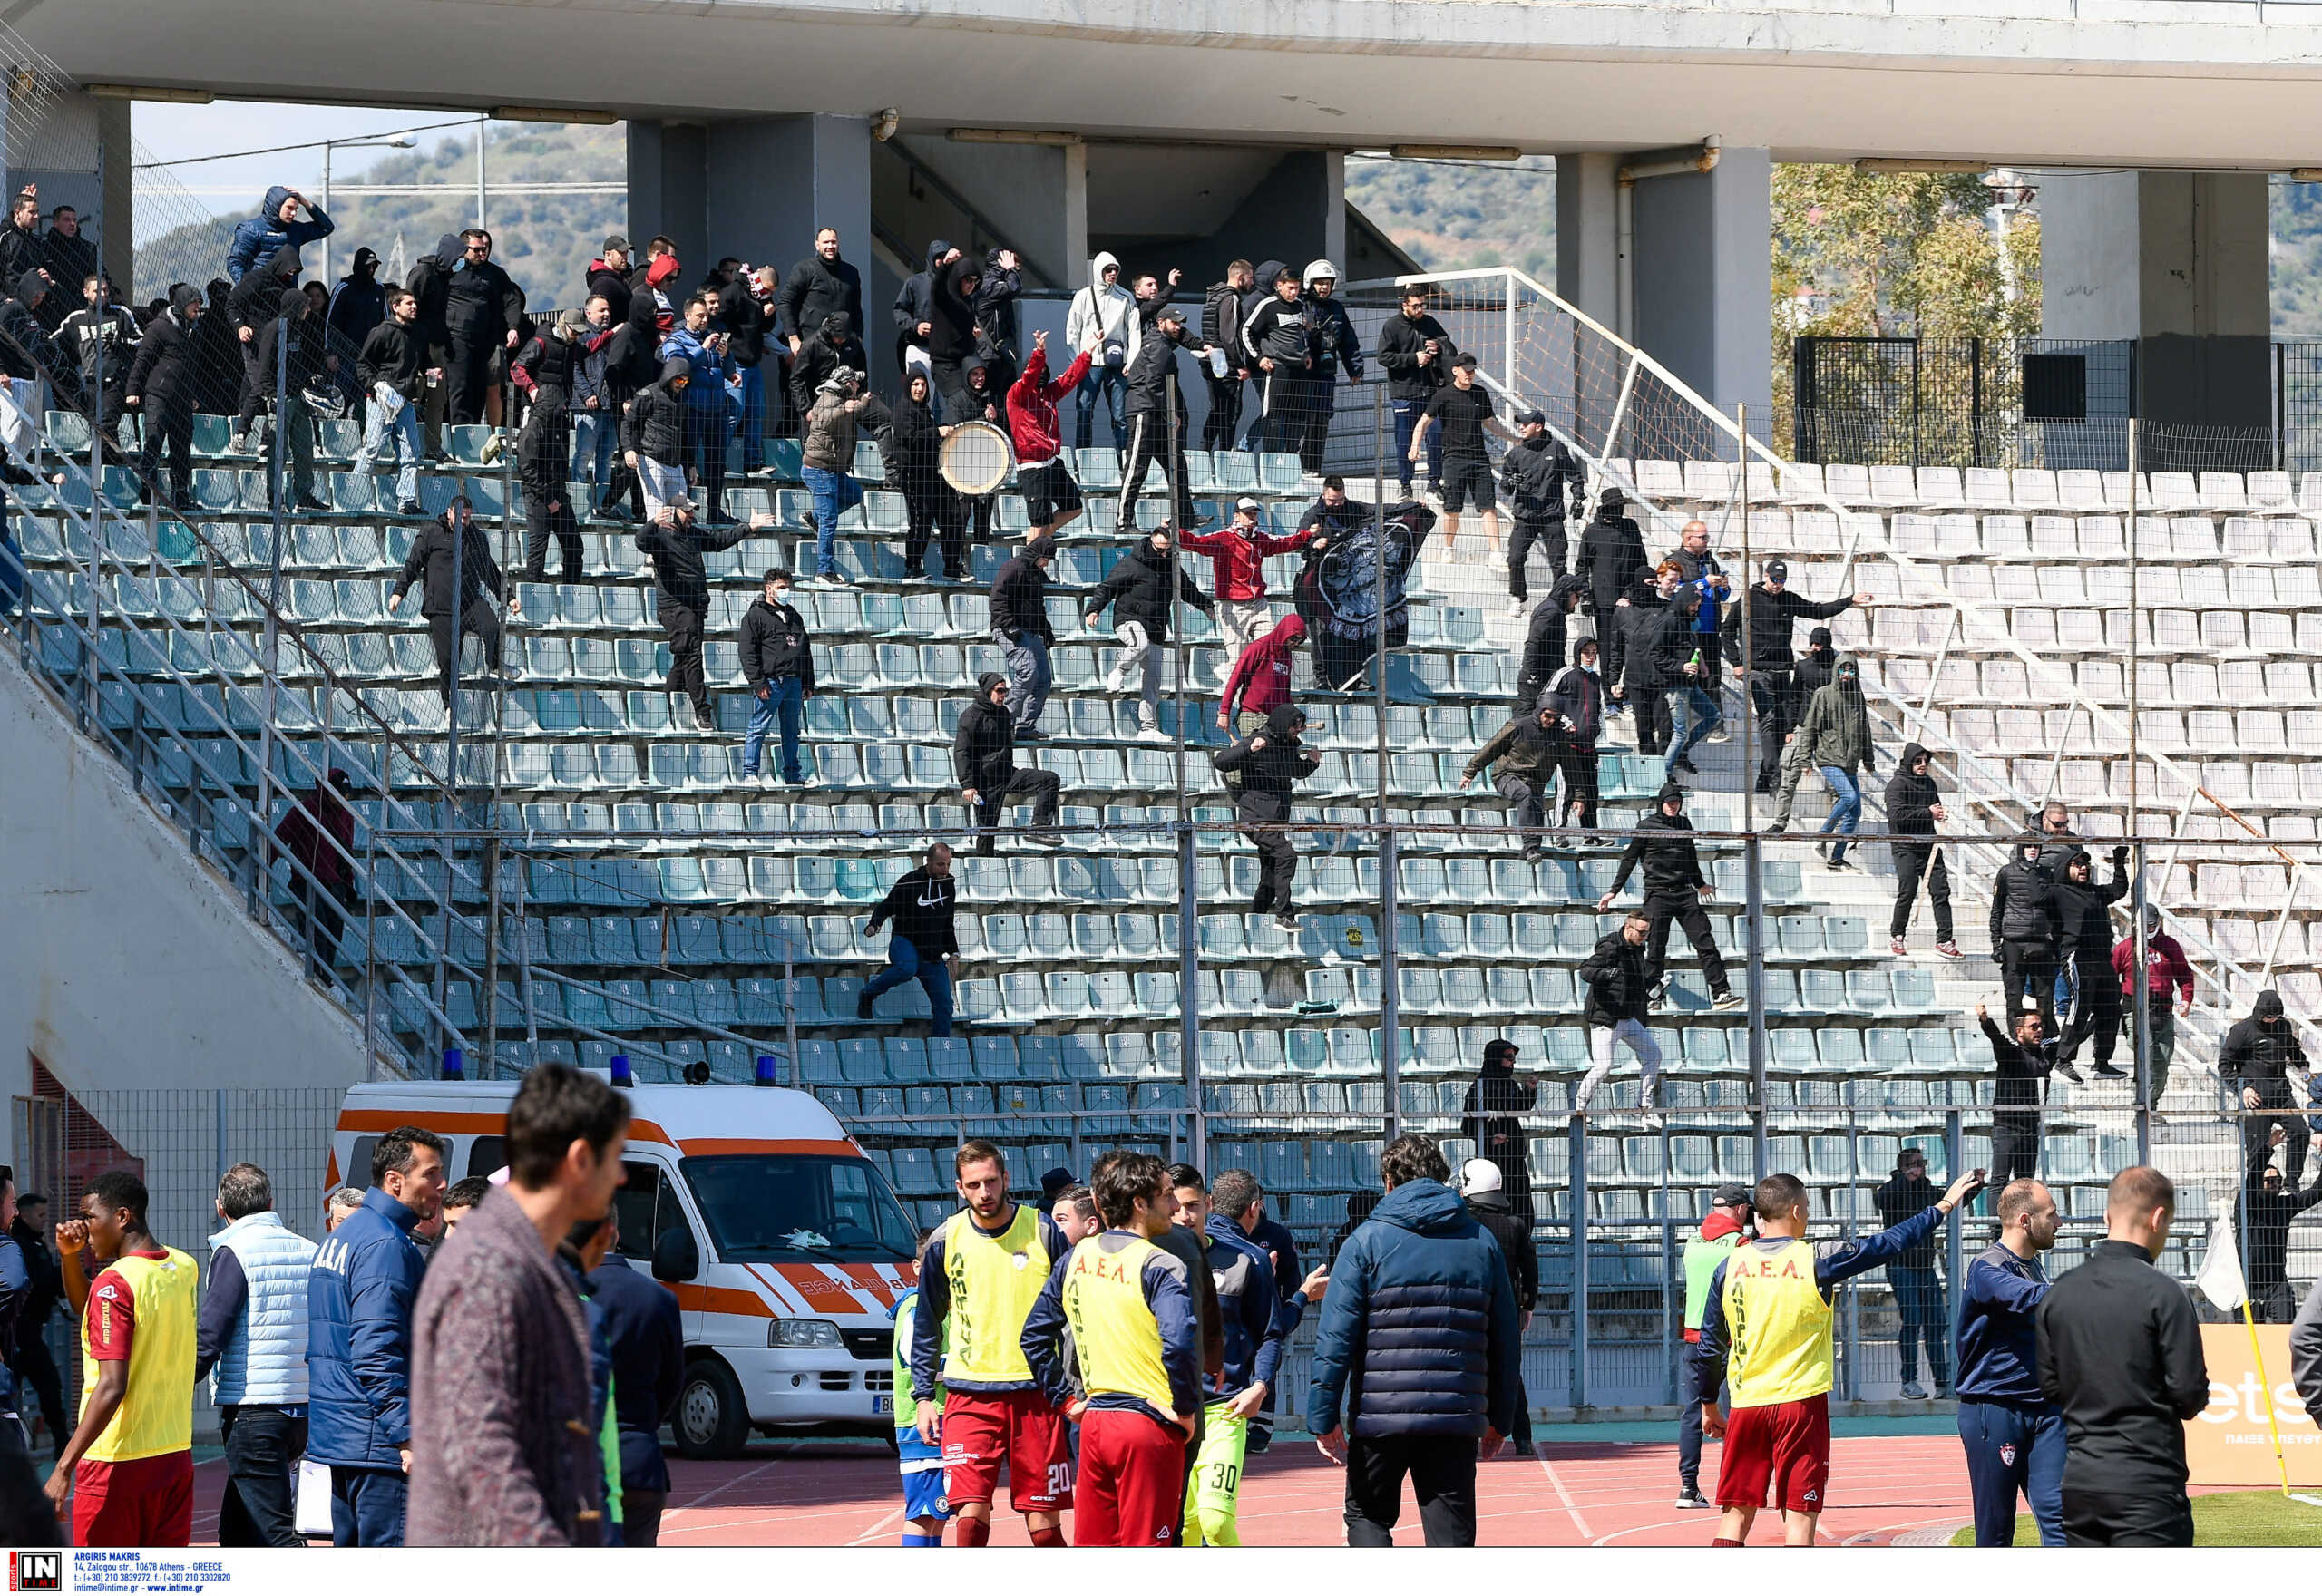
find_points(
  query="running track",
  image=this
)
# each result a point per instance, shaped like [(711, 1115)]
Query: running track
[(1575, 1494)]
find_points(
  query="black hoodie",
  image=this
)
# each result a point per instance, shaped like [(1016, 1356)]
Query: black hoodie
[(913, 447), (774, 642), (951, 336), (430, 280), (2255, 1052), (256, 299), (2084, 914), (1138, 587), (1401, 341), (359, 303), (1020, 594), (984, 748), (1910, 797), (1536, 472), (748, 320), (544, 448), (1664, 845), (996, 299), (1269, 773), (163, 353), (2023, 909), (655, 426), (833, 345), (1611, 558), (680, 575), (915, 300), (432, 556)]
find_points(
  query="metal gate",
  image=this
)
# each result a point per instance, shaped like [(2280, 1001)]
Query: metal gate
[(1890, 400)]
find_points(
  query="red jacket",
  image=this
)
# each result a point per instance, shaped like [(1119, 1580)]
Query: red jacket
[(2165, 964), (1238, 563), (1261, 676), (1032, 407)]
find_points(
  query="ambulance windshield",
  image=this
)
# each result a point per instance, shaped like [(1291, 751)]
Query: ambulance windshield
[(788, 1205)]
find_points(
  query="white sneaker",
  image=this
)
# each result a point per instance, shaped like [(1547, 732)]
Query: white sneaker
[(1151, 733), (1719, 735), (1287, 922), (1515, 607), (1652, 1118), (812, 780)]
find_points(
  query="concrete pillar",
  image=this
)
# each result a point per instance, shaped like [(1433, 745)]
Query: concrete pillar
[(758, 189), (1033, 197), (669, 188), (1702, 273), (2177, 263), (1588, 235), (77, 149)]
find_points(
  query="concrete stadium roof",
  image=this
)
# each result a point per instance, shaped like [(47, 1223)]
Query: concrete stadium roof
[(2147, 82)]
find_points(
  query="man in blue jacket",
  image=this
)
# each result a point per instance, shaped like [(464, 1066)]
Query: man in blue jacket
[(649, 1348), (358, 1340), (1414, 1355), (1256, 1325), (276, 223), (2014, 1435), (708, 409)]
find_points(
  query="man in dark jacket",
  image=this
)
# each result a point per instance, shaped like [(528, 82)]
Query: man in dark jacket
[(681, 592), (2021, 1064), (1635, 624), (923, 946), (20, 242), (1611, 559), (608, 276), (543, 464), (2253, 1065), (1621, 983), (1523, 757), (1270, 764), (1157, 414), (1483, 1189), (1019, 624), (450, 561), (482, 310), (818, 287), (256, 300), (646, 1334), (2269, 1205), (389, 371), (1416, 354), (358, 303), (1815, 669), (1686, 659), (1140, 589), (1913, 809), (1492, 1118), (2025, 928), (97, 343), (1674, 888), (779, 663), (2120, 1352), (359, 1303), (914, 308), (65, 252), (160, 388), (276, 226), (2084, 950), (1536, 471), (1416, 1355), (984, 758), (296, 339), (1221, 328), (834, 344), (1911, 1274), (1576, 696), (1772, 611), (1546, 648), (29, 1358)]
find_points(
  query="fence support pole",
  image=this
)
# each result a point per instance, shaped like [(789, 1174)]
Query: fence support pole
[(1391, 1007), (1189, 988), (1576, 1179), (2143, 1011), (1753, 927)]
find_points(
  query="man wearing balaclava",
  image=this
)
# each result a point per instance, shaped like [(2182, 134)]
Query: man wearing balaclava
[(2254, 1063), (1270, 763), (1836, 733), (1813, 672)]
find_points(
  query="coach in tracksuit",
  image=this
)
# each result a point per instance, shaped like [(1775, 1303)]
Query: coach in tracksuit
[(2014, 1437)]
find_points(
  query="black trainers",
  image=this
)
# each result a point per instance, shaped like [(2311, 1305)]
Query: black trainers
[(863, 1005), (703, 718), (1030, 735), (410, 507), (1045, 839)]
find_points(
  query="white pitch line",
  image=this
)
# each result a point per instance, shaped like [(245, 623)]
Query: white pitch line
[(719, 1490), (1564, 1496), (877, 1529)]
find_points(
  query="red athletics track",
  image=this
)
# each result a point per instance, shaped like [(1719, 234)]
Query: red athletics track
[(1581, 1494)]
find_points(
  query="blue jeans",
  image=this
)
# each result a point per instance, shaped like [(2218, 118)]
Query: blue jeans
[(1106, 383), (366, 1506), (835, 492), (1845, 809), (1919, 1297), (1406, 414), (403, 434), (596, 444), (785, 698), (2012, 1448), (906, 963), (747, 391), (1695, 714), (1029, 676)]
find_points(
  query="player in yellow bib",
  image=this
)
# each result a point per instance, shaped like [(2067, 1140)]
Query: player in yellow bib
[(1766, 1335)]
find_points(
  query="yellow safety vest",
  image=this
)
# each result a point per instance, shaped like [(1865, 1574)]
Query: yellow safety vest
[(994, 1281), (156, 1414), (1777, 1326), (1113, 1326)]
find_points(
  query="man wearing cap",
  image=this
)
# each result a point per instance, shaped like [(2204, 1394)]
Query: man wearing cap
[(1769, 610), (1538, 472), (358, 304), (1464, 411), (1487, 1197), (1237, 556), (1911, 1274), (1156, 416), (1723, 1228)]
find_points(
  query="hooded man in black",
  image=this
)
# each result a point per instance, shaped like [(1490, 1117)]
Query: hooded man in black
[(358, 304), (1674, 888), (1538, 472), (914, 452), (1611, 559), (681, 589), (1544, 649), (1492, 1118), (2025, 928), (951, 339), (1523, 757), (915, 306), (984, 758), (2084, 948), (1270, 763), (544, 465), (256, 300), (450, 561), (1913, 808), (1633, 625), (295, 338), (1576, 697), (2253, 1063), (1157, 414), (1815, 669), (834, 344), (160, 388)]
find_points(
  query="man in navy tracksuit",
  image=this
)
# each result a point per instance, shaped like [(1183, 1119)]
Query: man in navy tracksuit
[(2014, 1437), (1255, 1328)]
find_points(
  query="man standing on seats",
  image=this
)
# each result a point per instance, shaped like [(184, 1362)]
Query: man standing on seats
[(1156, 418), (1914, 808), (160, 388), (2020, 1062), (779, 663), (481, 311), (1769, 670), (2254, 1065), (1537, 470), (1270, 764), (1523, 755), (2168, 975), (2026, 928), (1674, 888), (1465, 412), (983, 757), (1416, 354), (2120, 1352), (452, 560), (1492, 1118), (1619, 981), (677, 546), (1221, 328), (923, 946), (2084, 913), (1142, 589), (1911, 1275), (1019, 626)]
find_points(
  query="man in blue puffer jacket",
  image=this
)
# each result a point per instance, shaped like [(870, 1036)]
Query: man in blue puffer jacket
[(1415, 1355), (358, 1340), (276, 224)]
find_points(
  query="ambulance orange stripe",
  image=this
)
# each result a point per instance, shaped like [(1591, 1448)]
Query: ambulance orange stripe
[(711, 1148), (722, 1299)]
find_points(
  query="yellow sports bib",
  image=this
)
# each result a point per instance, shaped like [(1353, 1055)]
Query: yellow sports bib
[(1778, 1327), (994, 1281), (156, 1414), (1113, 1327)]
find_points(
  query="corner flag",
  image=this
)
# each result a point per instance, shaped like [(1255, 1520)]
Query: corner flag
[(2220, 1279)]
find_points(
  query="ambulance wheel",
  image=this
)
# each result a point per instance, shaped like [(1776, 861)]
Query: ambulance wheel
[(712, 1419)]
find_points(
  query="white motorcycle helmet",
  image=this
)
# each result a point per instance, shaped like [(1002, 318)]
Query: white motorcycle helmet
[(1317, 269)]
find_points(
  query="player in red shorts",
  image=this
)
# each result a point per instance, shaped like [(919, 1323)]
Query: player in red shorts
[(1766, 1335), (130, 1463), (983, 1269)]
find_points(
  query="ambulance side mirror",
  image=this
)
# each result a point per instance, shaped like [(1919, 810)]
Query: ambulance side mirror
[(675, 1256)]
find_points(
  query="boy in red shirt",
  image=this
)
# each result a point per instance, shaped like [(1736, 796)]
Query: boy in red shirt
[(1237, 558)]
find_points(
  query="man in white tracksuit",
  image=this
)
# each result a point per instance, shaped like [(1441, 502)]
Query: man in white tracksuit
[(1103, 323)]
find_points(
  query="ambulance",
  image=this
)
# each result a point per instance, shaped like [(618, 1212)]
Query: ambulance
[(784, 1246)]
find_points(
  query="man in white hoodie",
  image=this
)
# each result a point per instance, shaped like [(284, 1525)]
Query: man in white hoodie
[(1103, 323)]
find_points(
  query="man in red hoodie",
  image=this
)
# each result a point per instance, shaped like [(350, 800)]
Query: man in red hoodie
[(1237, 557), (2165, 967), (1051, 497), (1723, 1228), (1260, 678)]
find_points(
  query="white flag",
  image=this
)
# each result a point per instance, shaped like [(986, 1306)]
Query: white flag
[(2220, 1279)]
